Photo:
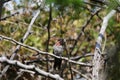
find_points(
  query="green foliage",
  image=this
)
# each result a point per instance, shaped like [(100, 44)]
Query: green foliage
[(65, 2), (65, 5), (114, 29), (113, 4)]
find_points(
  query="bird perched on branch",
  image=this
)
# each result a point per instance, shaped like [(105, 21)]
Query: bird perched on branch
[(58, 49)]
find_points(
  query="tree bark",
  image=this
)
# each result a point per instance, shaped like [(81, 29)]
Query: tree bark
[(99, 70)]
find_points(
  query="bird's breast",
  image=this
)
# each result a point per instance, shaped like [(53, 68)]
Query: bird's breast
[(58, 50)]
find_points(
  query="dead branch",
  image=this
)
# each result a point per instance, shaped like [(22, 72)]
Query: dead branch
[(29, 67)]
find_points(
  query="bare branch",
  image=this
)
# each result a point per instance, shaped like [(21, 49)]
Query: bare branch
[(44, 53), (29, 67)]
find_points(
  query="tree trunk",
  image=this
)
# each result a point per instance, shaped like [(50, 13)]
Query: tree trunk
[(100, 59), (99, 72)]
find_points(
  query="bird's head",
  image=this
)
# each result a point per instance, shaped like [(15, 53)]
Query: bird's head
[(60, 42)]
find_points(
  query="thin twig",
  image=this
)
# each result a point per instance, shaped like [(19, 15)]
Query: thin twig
[(82, 30), (69, 63), (99, 17), (81, 74), (19, 75), (2, 19), (48, 29), (76, 58)]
